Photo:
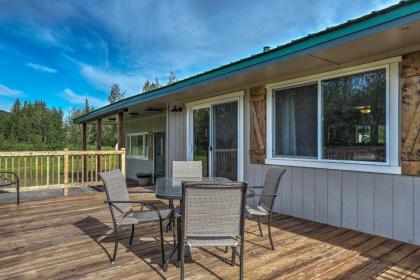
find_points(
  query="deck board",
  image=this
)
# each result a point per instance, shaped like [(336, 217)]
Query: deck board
[(71, 237)]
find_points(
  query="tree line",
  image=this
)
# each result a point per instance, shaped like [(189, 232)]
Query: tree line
[(34, 126)]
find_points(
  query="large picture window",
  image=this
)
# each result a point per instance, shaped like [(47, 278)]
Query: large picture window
[(354, 117), (345, 119), (137, 144)]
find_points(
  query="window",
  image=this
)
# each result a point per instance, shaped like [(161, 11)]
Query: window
[(345, 119), (296, 121), (137, 144), (354, 117)]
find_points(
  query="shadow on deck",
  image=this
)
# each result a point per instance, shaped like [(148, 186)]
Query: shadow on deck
[(71, 237)]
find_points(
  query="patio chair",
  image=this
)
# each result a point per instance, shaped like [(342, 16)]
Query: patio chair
[(122, 212), (8, 179), (182, 170), (213, 216), (264, 208), (187, 169)]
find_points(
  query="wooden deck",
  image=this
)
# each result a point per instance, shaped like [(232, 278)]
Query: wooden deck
[(71, 238)]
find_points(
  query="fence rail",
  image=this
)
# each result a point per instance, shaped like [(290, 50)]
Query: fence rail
[(60, 169)]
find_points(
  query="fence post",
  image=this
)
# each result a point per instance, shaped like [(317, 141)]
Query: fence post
[(66, 171), (123, 161)]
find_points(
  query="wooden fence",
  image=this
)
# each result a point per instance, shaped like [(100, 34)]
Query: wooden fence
[(60, 169)]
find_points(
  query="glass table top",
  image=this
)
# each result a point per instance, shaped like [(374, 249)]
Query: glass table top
[(171, 188)]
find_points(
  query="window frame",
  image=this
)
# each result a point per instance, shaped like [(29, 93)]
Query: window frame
[(392, 163), (145, 155)]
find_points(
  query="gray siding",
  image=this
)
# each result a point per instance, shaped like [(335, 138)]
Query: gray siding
[(176, 137), (142, 124), (381, 204)]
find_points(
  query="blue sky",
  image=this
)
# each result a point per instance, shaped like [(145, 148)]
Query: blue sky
[(65, 51)]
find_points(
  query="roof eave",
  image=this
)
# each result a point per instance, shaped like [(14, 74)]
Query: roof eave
[(295, 47)]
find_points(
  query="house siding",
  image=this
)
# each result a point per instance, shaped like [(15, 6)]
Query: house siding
[(142, 124), (380, 204), (176, 136)]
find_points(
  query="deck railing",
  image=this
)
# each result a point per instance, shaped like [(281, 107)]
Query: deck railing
[(60, 169)]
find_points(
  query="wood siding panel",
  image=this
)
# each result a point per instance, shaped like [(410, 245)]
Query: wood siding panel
[(334, 197), (383, 204), (257, 124), (410, 114), (297, 191), (403, 192), (349, 210), (321, 195), (365, 202), (411, 65), (308, 194)]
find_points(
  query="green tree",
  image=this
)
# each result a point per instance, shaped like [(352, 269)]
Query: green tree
[(32, 126), (115, 94), (149, 86), (172, 78)]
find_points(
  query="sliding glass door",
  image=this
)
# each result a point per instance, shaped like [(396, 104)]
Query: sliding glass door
[(214, 130), (201, 140), (225, 140)]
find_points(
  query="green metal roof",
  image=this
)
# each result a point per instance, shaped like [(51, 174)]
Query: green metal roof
[(364, 23)]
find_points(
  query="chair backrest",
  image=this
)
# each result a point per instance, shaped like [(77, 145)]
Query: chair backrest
[(187, 169), (270, 188), (213, 209), (116, 190)]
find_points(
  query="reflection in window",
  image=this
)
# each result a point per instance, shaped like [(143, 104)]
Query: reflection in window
[(296, 121), (354, 117), (137, 145)]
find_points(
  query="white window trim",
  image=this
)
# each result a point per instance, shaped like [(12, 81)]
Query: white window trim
[(392, 164), (145, 148), (234, 96)]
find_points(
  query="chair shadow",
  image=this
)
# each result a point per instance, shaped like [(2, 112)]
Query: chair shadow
[(102, 233)]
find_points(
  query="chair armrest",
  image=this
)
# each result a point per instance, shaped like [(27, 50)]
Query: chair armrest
[(267, 194), (16, 178), (136, 201)]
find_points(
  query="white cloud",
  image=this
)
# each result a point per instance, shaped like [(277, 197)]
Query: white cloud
[(103, 79), (41, 68), (79, 99), (10, 92), (6, 105)]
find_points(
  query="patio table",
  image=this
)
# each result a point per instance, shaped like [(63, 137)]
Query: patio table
[(170, 188)]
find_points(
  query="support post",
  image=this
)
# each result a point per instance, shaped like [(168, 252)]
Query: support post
[(120, 124), (121, 142), (66, 171), (84, 148), (123, 161), (98, 147)]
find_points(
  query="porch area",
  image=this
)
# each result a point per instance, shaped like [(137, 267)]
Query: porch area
[(71, 237)]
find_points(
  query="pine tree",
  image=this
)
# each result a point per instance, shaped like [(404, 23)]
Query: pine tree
[(115, 94), (149, 86), (171, 78)]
